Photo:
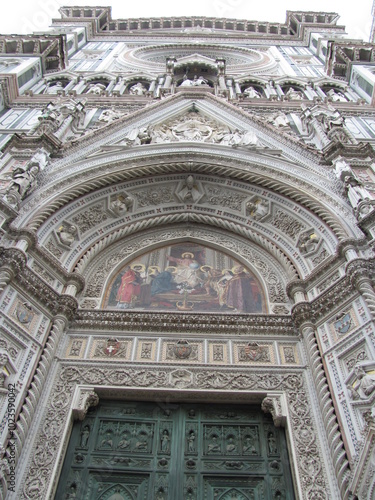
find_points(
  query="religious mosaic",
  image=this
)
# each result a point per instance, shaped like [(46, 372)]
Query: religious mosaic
[(185, 277)]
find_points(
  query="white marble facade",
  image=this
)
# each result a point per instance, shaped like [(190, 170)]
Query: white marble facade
[(172, 187)]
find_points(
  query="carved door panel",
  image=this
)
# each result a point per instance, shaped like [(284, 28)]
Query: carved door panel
[(149, 451)]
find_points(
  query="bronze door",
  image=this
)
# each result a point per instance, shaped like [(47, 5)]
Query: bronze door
[(154, 451)]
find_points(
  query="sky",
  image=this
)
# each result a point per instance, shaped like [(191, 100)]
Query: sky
[(27, 16)]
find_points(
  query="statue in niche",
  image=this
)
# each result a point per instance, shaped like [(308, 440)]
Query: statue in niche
[(23, 179), (336, 96), (294, 95), (196, 82), (251, 93), (85, 434), (355, 191), (121, 204), (137, 89), (96, 88), (54, 87), (67, 234)]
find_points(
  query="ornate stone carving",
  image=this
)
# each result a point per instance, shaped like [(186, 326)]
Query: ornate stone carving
[(286, 223), (251, 93), (308, 242), (308, 463), (138, 89), (120, 204), (83, 399), (154, 196), (225, 198), (257, 208), (90, 218), (364, 386), (23, 180), (67, 234), (254, 352)]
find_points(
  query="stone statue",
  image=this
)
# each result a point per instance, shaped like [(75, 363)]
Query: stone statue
[(196, 82), (294, 95), (355, 191), (67, 234), (53, 87), (342, 169), (251, 93), (96, 88), (23, 180), (138, 89), (336, 96)]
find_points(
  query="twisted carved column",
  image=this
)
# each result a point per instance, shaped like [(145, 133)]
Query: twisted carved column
[(33, 395), (335, 442)]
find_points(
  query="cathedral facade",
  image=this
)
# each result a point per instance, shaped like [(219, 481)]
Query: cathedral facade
[(187, 259)]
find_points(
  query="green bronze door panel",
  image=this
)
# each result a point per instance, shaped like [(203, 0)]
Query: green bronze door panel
[(150, 451)]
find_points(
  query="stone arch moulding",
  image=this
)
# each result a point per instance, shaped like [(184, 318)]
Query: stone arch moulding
[(76, 388), (270, 273)]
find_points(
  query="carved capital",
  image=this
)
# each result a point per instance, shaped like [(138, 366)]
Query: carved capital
[(84, 397), (302, 312), (66, 306), (13, 259), (275, 404)]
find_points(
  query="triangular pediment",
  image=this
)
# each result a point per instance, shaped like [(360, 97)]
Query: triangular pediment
[(195, 57), (191, 117)]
